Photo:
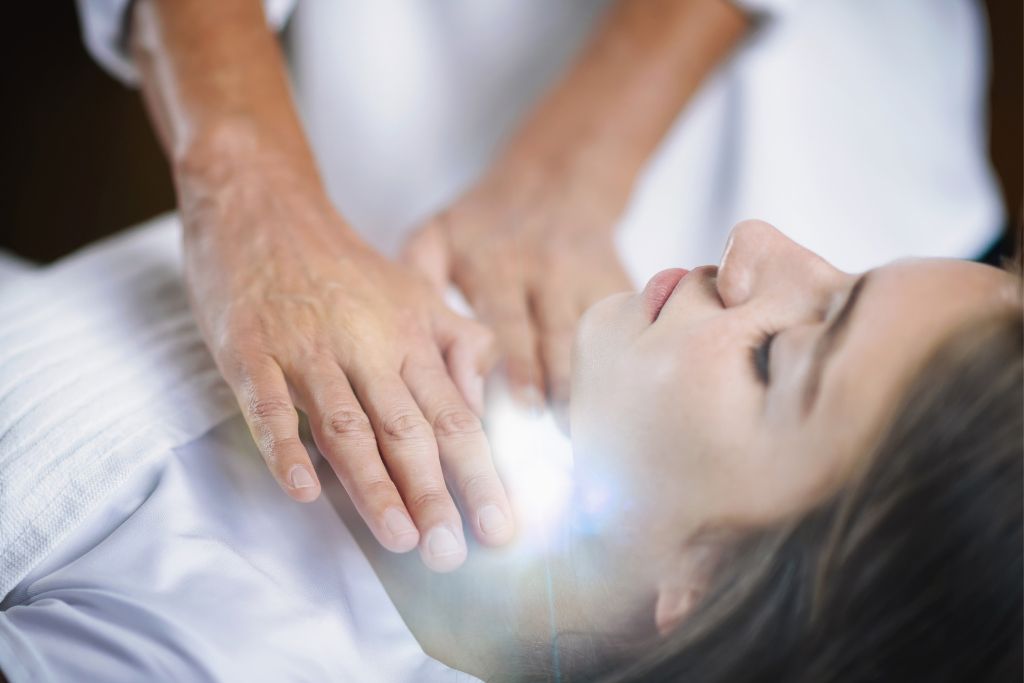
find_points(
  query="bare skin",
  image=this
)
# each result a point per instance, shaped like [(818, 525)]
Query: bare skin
[(298, 311), (300, 314), (531, 246), (695, 443)]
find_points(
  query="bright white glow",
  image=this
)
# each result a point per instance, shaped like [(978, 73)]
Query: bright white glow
[(535, 461)]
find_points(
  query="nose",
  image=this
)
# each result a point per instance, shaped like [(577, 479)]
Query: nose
[(759, 260)]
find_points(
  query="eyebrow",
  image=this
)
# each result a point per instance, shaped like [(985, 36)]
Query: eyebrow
[(828, 342)]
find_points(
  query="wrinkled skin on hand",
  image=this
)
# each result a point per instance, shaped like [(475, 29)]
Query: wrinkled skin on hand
[(299, 313), (531, 250)]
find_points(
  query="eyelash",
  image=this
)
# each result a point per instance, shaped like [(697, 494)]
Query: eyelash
[(760, 355)]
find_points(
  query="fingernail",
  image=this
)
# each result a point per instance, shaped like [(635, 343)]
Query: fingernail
[(492, 520), (398, 523), (441, 543), (300, 478)]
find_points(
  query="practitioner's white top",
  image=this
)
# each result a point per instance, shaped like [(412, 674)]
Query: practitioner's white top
[(856, 126), (142, 537)]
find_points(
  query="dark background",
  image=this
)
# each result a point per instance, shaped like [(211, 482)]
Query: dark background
[(80, 161)]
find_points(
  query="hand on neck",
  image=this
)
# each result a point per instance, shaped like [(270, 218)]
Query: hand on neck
[(522, 607)]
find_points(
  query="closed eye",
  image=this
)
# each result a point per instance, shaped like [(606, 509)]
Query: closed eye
[(760, 356)]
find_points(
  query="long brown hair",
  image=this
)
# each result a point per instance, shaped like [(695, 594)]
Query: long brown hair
[(912, 572)]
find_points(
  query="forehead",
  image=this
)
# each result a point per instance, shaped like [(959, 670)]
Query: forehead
[(905, 311)]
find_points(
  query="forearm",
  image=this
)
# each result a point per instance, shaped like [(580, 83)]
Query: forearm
[(216, 88), (643, 64)]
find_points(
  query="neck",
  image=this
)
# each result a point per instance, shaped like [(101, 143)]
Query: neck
[(513, 609)]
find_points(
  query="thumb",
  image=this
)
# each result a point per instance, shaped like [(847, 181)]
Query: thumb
[(426, 251)]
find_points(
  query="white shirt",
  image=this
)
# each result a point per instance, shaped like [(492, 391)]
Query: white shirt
[(856, 126)]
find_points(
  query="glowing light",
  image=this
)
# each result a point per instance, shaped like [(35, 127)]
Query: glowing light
[(535, 461)]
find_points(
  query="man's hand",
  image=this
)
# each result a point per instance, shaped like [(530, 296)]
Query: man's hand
[(298, 312), (530, 251), (532, 245)]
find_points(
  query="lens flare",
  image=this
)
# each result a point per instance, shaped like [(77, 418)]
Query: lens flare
[(535, 461)]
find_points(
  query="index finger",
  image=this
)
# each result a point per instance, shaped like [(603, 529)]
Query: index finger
[(262, 394)]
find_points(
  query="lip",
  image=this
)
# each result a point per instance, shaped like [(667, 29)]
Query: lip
[(659, 290)]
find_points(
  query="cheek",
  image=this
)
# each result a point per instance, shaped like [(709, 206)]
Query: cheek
[(602, 333), (774, 478), (659, 410), (696, 382), (608, 324)]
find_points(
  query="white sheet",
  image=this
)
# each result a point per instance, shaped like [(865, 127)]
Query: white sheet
[(141, 536), (200, 569), (102, 370)]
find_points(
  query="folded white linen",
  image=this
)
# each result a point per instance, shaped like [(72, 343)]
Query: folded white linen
[(201, 569), (102, 370), (141, 536)]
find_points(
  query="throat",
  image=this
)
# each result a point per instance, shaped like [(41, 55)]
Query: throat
[(507, 609)]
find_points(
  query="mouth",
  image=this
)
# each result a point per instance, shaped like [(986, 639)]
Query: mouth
[(659, 290)]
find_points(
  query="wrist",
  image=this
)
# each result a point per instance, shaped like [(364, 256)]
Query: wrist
[(592, 178), (221, 154), (234, 180)]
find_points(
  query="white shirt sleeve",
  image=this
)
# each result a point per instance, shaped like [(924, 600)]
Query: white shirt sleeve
[(104, 30)]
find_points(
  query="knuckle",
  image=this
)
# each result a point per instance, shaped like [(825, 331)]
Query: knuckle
[(237, 332), (267, 407), (378, 491), (456, 422), (406, 426), (348, 424), (429, 498), (477, 485), (242, 333)]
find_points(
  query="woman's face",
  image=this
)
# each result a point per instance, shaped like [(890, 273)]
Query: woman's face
[(738, 395)]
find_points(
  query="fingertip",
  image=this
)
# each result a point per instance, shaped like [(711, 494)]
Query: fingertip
[(443, 549), (401, 534), (494, 525), (401, 545), (302, 484)]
